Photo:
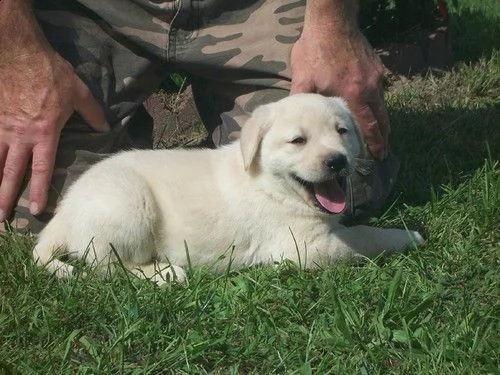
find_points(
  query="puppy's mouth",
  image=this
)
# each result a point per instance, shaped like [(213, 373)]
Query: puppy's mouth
[(328, 195)]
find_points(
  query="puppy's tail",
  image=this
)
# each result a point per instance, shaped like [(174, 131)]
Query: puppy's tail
[(51, 244)]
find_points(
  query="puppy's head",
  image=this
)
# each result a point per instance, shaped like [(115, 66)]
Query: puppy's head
[(307, 141)]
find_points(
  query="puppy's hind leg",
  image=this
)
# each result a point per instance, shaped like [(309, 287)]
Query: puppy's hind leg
[(109, 216), (160, 273), (121, 224)]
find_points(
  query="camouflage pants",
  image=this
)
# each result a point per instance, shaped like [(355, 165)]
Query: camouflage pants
[(237, 53)]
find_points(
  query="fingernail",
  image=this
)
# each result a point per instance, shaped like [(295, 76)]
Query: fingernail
[(106, 126), (34, 208), (2, 215)]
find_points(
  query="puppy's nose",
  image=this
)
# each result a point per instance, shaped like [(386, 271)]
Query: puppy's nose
[(336, 162)]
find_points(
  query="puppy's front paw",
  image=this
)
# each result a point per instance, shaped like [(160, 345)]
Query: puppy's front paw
[(169, 274), (416, 238)]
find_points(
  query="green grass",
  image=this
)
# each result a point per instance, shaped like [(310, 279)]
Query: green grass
[(434, 310)]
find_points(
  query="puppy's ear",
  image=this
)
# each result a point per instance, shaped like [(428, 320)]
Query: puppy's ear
[(355, 125), (252, 133), (364, 153), (365, 164)]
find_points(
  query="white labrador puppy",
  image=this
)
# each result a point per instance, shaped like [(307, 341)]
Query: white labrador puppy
[(276, 194)]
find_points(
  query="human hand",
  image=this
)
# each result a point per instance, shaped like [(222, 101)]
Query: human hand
[(40, 91), (344, 64)]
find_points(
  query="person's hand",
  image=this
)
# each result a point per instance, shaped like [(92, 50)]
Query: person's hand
[(40, 90), (344, 64)]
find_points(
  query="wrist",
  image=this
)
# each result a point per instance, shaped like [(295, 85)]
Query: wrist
[(339, 17), (21, 34)]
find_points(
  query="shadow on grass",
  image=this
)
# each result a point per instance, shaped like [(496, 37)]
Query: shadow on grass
[(441, 147), (475, 34)]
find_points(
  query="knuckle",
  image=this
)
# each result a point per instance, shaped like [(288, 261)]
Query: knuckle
[(19, 129), (10, 172), (43, 129), (26, 131), (354, 91), (40, 167), (371, 126)]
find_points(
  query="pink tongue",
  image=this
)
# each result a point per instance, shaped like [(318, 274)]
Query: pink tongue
[(330, 196)]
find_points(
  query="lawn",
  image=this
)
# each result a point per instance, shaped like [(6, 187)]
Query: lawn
[(434, 310)]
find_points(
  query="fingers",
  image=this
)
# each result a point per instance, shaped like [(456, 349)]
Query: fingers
[(3, 155), (88, 107), (42, 166), (14, 168), (44, 153), (380, 112), (369, 108), (370, 127)]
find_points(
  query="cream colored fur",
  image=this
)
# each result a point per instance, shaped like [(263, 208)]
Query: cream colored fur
[(237, 202)]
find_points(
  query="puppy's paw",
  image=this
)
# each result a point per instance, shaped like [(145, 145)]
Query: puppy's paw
[(169, 274), (160, 273), (416, 238)]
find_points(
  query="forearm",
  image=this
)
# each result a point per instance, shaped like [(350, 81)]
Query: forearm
[(21, 33), (340, 16)]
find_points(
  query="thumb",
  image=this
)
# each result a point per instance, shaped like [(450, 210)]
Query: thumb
[(88, 107), (301, 86)]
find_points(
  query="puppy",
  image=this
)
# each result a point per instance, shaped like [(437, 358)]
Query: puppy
[(275, 194)]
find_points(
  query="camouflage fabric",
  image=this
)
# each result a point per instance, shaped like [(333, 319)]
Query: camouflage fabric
[(237, 53)]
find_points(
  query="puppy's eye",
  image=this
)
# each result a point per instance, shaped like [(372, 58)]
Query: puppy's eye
[(298, 141), (342, 130)]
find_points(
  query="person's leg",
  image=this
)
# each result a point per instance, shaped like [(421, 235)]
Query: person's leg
[(239, 55), (121, 64)]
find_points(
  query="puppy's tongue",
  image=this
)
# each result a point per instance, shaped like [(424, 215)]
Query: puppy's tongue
[(330, 196)]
